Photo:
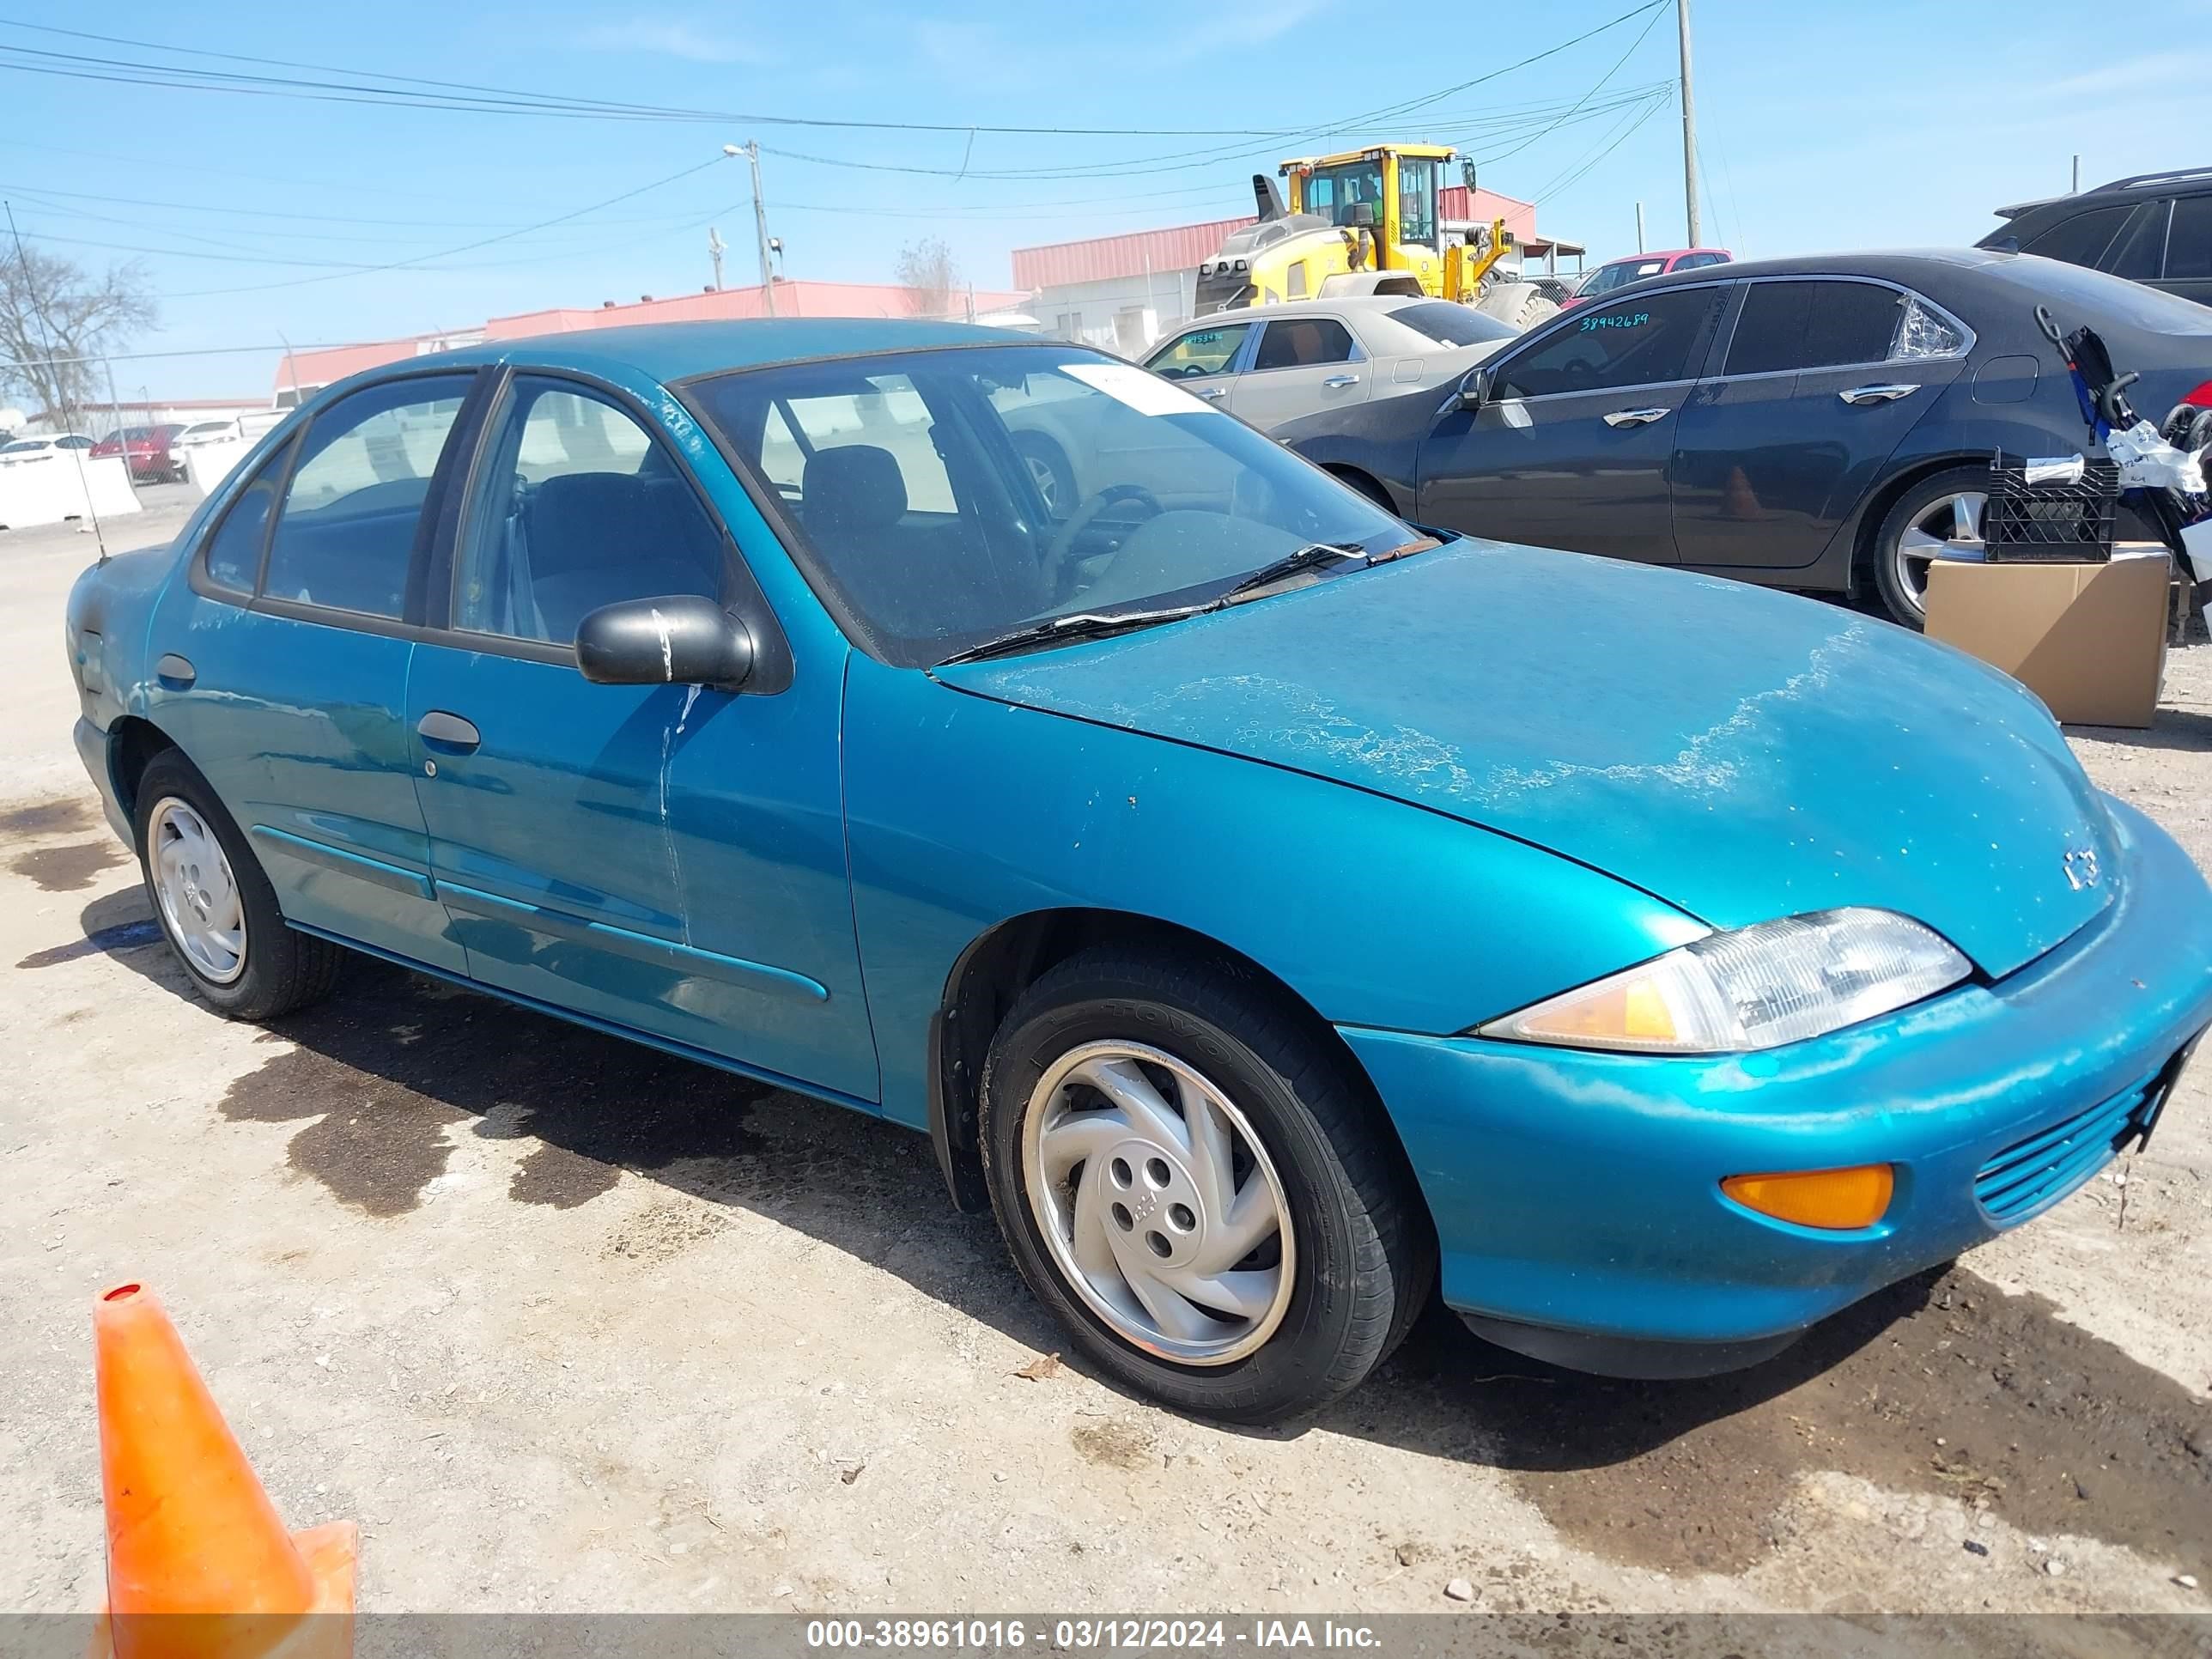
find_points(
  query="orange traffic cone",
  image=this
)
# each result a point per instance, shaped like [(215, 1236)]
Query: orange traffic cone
[(199, 1564)]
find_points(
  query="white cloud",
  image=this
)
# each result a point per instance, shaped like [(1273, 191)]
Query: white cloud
[(671, 39)]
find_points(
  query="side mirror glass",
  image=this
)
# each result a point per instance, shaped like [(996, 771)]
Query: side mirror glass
[(1474, 387), (681, 640)]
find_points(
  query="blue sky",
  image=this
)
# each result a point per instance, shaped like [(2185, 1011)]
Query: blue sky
[(1822, 125)]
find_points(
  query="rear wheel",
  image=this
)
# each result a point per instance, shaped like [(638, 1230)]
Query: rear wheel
[(1938, 519), (1191, 1182), (215, 905)]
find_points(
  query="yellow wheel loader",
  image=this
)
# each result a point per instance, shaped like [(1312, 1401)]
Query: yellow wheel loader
[(1367, 222)]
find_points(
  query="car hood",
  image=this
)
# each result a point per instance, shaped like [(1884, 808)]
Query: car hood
[(1741, 754)]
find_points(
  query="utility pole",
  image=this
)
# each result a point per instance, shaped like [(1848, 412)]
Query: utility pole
[(715, 248), (1639, 227), (1689, 124), (2077, 175), (760, 228)]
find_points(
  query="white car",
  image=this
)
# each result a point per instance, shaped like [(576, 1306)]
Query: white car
[(44, 448), (1274, 363), (204, 432)]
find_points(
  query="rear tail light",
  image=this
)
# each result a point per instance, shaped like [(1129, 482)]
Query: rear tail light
[(2201, 395)]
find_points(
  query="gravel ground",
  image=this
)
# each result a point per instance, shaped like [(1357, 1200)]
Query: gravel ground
[(569, 1325)]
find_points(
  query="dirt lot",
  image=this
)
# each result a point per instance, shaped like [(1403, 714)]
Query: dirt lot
[(570, 1326)]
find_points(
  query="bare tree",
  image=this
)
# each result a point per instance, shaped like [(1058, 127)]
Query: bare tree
[(926, 271), (56, 316)]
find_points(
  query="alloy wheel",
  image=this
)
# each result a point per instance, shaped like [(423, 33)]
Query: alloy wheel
[(1158, 1203), (1949, 527)]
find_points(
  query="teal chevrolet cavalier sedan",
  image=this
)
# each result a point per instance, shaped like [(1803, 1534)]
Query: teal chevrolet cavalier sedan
[(1275, 914)]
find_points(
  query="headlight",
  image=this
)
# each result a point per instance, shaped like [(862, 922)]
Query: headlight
[(1756, 987)]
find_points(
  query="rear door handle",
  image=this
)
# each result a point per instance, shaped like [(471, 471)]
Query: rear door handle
[(448, 731), (1637, 416), (1341, 380), (1877, 394)]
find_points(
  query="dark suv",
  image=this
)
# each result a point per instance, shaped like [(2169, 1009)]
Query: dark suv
[(2155, 227)]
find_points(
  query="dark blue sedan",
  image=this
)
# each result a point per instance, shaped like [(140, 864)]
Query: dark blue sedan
[(1822, 424), (1271, 911)]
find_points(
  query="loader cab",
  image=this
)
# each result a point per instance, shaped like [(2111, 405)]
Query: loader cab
[(1400, 183)]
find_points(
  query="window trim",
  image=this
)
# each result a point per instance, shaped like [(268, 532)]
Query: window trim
[(1747, 283), (743, 598), (1359, 350), (1571, 321)]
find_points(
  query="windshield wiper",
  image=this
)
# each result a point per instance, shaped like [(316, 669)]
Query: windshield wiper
[(1297, 559), (1082, 625)]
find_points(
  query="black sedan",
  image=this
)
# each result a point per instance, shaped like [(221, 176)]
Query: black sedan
[(1821, 423)]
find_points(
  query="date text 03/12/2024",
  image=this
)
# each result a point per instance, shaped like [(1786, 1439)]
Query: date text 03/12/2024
[(1075, 1634)]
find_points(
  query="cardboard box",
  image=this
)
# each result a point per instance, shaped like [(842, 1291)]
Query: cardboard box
[(2087, 639)]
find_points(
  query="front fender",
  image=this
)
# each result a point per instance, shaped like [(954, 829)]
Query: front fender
[(964, 812)]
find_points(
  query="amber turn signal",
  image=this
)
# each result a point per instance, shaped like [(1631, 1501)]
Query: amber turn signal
[(1840, 1199)]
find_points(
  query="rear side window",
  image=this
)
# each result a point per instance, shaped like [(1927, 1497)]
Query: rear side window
[(1451, 324), (1304, 342), (346, 534), (1203, 351), (1630, 343), (2139, 252), (233, 552), (2081, 239), (2189, 246), (1823, 324)]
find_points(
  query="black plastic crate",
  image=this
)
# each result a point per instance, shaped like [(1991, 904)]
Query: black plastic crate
[(2051, 523)]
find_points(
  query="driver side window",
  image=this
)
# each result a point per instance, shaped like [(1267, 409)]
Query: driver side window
[(1201, 352), (1641, 342)]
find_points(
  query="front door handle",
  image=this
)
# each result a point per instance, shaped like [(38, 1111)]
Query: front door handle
[(1341, 380), (448, 731), (1637, 416), (1213, 391), (1877, 394)]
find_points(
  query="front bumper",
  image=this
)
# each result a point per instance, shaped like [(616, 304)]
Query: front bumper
[(1580, 1192)]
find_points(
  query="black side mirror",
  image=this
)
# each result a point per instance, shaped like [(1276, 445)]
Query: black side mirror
[(682, 639), (1473, 387)]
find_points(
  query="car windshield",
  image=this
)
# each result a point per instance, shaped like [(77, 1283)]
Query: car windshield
[(946, 498), (1450, 324), (1606, 278), (24, 445)]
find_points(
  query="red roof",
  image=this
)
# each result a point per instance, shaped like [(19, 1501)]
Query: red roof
[(1104, 258), (793, 298), (1101, 259)]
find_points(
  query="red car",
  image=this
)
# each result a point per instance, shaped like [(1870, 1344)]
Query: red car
[(1619, 273), (149, 450)]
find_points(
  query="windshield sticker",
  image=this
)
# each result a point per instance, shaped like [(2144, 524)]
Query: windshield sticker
[(1616, 319), (1145, 393), (1515, 414)]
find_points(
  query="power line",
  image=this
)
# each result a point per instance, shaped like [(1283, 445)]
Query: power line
[(465, 247), (499, 100), (1649, 23), (473, 97)]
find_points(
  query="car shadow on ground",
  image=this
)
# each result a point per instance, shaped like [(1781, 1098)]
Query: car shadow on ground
[(1938, 1385)]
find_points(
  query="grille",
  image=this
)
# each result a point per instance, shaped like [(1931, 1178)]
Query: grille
[(2045, 1167)]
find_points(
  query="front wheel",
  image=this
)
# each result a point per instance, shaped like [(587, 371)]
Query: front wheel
[(1199, 1188)]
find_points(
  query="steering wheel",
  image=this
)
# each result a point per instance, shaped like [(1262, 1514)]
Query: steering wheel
[(1058, 567)]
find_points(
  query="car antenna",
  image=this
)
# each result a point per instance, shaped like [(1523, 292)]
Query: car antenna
[(53, 365)]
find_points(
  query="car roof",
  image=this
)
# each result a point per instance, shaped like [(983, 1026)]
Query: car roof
[(1343, 305), (1658, 253), (2131, 188), (672, 351)]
